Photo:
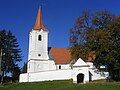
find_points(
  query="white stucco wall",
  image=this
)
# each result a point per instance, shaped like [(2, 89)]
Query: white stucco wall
[(52, 65), (41, 65), (63, 66), (90, 64), (46, 76), (38, 47), (80, 70), (89, 74), (95, 73), (24, 77), (38, 52)]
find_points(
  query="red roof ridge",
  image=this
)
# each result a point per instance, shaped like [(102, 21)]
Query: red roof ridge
[(58, 48)]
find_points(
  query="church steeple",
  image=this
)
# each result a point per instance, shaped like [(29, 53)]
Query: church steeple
[(38, 24)]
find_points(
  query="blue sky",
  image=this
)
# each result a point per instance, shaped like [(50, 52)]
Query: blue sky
[(58, 17)]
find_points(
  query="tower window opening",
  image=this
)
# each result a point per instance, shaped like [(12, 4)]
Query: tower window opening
[(39, 37)]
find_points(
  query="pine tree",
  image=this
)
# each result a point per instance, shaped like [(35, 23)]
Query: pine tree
[(11, 53), (24, 69), (15, 73)]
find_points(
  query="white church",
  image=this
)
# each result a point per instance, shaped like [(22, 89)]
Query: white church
[(47, 64)]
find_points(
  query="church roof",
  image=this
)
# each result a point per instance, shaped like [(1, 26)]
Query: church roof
[(61, 55), (38, 24)]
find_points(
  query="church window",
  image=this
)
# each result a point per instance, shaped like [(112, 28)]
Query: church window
[(60, 67), (39, 54), (39, 37)]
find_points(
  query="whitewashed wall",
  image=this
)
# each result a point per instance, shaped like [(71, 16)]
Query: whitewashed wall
[(23, 77), (90, 65), (50, 72), (63, 66), (46, 76), (38, 47), (43, 65), (81, 70), (95, 73)]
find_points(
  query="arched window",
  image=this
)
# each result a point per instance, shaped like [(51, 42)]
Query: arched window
[(39, 37)]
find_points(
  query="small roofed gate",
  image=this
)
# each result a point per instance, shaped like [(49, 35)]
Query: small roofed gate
[(80, 78)]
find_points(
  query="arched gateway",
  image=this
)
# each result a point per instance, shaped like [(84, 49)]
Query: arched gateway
[(80, 78)]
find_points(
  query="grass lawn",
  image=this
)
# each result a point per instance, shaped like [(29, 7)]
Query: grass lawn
[(62, 85)]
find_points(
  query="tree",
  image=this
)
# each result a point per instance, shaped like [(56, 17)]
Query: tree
[(11, 53), (78, 36), (24, 69), (114, 51), (100, 41), (15, 73), (99, 34)]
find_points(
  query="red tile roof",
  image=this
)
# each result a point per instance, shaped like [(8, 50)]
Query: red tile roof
[(61, 55), (38, 24)]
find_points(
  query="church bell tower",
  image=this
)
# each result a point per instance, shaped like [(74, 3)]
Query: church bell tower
[(38, 45)]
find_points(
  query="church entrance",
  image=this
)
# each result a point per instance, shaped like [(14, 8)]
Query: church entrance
[(80, 78)]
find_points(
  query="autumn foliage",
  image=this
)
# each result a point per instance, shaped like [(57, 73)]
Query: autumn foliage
[(96, 37)]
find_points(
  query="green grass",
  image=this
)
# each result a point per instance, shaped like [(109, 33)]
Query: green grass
[(62, 85)]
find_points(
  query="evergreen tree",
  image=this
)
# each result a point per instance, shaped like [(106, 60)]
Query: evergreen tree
[(24, 69), (11, 53), (15, 73)]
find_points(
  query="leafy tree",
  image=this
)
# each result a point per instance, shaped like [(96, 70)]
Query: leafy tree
[(11, 53), (113, 57), (78, 35), (97, 33), (102, 19)]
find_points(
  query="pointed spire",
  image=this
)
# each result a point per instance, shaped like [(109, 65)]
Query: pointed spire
[(38, 24)]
